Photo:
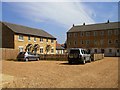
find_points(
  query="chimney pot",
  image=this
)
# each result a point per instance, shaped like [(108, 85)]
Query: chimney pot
[(83, 23), (73, 25)]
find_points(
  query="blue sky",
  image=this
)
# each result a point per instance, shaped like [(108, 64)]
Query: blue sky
[(58, 17)]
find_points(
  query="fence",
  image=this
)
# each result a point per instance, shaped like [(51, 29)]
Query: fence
[(8, 53), (97, 56)]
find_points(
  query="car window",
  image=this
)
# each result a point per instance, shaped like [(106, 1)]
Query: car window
[(82, 51), (74, 51)]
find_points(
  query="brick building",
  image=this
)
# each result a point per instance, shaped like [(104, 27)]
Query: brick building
[(23, 38), (97, 38)]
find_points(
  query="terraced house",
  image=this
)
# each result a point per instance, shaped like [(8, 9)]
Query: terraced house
[(97, 38), (24, 38)]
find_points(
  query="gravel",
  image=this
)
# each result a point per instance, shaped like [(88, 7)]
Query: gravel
[(59, 74)]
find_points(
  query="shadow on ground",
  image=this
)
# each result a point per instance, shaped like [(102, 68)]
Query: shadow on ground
[(66, 63)]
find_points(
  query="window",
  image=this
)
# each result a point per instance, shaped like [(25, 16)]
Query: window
[(116, 32), (116, 41), (69, 43), (52, 41), (95, 50), (21, 37), (101, 42), (46, 40), (109, 41), (28, 37), (20, 48), (82, 34), (118, 50), (102, 50), (110, 50), (102, 33), (95, 42), (75, 42), (82, 42), (69, 34), (52, 50), (109, 32), (75, 34), (35, 39), (41, 50), (87, 41), (95, 33), (41, 39), (87, 33)]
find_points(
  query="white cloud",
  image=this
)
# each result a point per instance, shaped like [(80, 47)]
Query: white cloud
[(60, 0), (63, 13)]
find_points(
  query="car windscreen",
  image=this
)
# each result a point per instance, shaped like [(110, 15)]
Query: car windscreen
[(74, 51)]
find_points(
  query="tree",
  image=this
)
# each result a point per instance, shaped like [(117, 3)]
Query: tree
[(47, 49)]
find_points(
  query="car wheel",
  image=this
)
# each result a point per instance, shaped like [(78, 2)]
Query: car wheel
[(84, 61), (26, 59), (38, 59), (69, 62)]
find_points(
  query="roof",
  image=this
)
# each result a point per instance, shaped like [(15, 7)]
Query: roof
[(28, 30), (94, 27), (59, 47)]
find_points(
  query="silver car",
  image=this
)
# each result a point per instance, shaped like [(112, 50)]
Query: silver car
[(26, 56)]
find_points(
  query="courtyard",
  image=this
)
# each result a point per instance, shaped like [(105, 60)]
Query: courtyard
[(59, 74)]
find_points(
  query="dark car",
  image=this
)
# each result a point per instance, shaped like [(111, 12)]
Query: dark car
[(78, 55), (26, 56)]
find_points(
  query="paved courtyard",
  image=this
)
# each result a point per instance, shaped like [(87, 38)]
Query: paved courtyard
[(59, 74)]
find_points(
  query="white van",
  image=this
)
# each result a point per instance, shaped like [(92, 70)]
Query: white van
[(78, 55)]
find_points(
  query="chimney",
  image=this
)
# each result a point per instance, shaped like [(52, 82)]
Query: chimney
[(73, 25), (108, 21), (83, 23)]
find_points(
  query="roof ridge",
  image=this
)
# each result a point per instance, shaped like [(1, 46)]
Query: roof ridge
[(28, 30), (96, 24)]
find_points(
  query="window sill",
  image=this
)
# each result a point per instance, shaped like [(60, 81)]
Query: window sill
[(20, 40)]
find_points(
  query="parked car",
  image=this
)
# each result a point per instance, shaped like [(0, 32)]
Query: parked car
[(78, 55), (26, 56)]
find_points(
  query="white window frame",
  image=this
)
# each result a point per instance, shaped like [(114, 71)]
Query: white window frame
[(20, 39), (81, 34), (109, 41), (53, 50), (52, 41), (35, 39), (47, 40), (87, 42), (95, 33), (109, 32), (109, 50), (21, 47), (41, 40), (29, 38), (87, 33), (102, 33), (42, 50)]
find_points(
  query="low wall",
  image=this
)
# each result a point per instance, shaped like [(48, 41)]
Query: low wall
[(61, 57), (9, 53), (97, 56)]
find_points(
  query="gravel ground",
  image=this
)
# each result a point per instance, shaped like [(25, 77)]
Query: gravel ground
[(59, 74)]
